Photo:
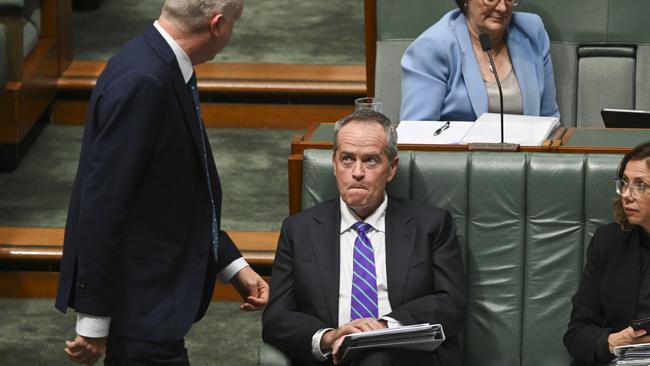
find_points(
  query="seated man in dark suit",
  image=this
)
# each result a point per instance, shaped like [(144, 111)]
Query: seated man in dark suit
[(365, 260)]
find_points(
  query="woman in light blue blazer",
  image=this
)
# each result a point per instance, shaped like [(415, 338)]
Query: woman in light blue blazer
[(446, 74)]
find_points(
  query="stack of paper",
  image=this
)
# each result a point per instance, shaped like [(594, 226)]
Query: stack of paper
[(522, 130), (517, 129), (635, 354), (422, 337)]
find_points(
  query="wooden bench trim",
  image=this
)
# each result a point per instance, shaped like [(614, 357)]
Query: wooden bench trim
[(46, 244), (246, 78), (27, 284)]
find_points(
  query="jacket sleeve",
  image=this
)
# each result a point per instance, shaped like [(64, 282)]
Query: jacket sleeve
[(283, 325), (425, 71), (585, 338), (548, 104), (122, 141)]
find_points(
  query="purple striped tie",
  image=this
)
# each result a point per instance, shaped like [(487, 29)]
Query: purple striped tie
[(364, 278)]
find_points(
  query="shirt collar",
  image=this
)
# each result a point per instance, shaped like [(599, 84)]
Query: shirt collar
[(376, 219), (184, 61)]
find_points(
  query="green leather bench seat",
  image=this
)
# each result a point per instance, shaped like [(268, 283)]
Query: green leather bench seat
[(524, 221), (600, 51)]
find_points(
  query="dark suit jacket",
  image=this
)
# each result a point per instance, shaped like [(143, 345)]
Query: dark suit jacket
[(426, 279), (137, 240), (607, 298)]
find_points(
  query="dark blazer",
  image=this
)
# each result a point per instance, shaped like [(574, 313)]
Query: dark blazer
[(426, 278), (607, 298), (137, 239)]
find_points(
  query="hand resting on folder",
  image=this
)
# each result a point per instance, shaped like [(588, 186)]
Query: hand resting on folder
[(332, 339)]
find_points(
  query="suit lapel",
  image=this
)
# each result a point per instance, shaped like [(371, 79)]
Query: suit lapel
[(162, 49), (400, 239), (325, 238)]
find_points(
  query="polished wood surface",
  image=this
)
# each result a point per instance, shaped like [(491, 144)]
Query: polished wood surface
[(370, 16), (229, 115), (24, 100), (246, 78), (32, 284), (35, 243), (45, 245)]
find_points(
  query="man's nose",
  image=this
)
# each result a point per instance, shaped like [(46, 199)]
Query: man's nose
[(357, 170)]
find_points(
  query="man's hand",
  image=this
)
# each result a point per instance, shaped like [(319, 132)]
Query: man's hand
[(252, 288), (85, 350), (626, 337), (332, 338)]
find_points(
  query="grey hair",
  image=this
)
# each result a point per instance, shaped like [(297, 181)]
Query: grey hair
[(370, 116), (190, 15)]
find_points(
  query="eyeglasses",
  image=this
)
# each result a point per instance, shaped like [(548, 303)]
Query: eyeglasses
[(637, 189), (492, 3)]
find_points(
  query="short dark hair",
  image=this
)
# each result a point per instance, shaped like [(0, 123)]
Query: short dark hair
[(639, 152), (368, 115), (461, 5)]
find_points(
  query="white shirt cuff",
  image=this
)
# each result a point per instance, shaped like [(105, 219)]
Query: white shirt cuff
[(92, 326), (390, 322), (315, 345), (226, 274)]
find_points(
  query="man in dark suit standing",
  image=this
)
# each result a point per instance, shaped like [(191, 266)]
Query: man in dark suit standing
[(143, 246), (365, 260)]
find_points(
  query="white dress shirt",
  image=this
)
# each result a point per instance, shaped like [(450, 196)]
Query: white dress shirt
[(377, 236), (97, 326)]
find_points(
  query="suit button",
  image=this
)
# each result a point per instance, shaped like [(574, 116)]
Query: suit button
[(202, 253), (208, 212)]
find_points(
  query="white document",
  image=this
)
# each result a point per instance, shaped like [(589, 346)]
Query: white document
[(518, 129), (423, 132), (423, 337)]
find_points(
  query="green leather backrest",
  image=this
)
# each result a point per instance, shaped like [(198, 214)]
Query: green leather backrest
[(4, 57), (523, 221), (585, 81)]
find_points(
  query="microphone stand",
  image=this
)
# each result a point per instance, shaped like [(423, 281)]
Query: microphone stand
[(493, 68), (486, 44)]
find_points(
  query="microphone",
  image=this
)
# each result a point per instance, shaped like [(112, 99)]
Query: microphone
[(486, 45)]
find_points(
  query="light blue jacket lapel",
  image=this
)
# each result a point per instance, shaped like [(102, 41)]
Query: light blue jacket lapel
[(471, 71), (522, 61)]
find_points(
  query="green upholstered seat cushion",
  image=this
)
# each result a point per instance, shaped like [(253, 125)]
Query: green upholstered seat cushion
[(271, 356), (11, 7)]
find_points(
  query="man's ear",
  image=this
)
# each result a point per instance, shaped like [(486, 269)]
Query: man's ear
[(392, 169), (215, 23)]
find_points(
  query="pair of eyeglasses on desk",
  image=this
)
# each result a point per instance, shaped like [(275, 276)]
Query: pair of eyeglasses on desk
[(444, 127)]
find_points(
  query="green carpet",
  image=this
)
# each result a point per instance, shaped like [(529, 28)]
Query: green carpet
[(270, 31), (33, 333), (252, 166)]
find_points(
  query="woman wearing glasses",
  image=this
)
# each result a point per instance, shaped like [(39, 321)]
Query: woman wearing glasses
[(447, 75), (615, 285)]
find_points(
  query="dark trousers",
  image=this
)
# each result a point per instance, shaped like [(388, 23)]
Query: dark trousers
[(126, 352)]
